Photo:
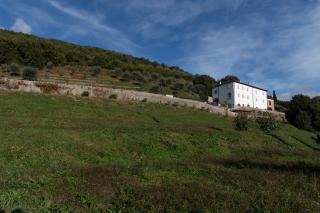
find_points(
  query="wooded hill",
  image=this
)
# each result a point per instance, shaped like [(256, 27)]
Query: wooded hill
[(29, 50)]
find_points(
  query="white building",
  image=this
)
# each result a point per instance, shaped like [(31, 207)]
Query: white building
[(236, 94)]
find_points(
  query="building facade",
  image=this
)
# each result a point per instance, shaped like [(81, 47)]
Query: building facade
[(271, 105), (236, 94)]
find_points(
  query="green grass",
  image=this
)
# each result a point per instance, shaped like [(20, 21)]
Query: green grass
[(61, 154)]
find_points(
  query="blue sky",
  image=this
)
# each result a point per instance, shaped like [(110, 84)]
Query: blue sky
[(274, 44)]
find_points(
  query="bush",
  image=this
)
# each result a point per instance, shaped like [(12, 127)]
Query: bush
[(29, 73), (163, 82), (113, 96), (241, 122), (96, 70), (155, 76), (178, 86), (85, 94), (268, 123), (14, 69), (155, 89), (50, 65), (126, 75), (144, 100)]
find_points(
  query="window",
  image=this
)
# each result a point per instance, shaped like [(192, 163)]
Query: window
[(215, 92), (239, 105), (238, 87), (247, 88), (238, 95), (242, 87), (229, 95), (248, 105), (269, 102), (256, 99)]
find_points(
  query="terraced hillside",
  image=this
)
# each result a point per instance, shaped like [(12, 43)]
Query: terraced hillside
[(61, 154), (62, 61)]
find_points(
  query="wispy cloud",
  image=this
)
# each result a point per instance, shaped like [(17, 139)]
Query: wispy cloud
[(21, 26), (156, 19), (93, 20), (117, 38)]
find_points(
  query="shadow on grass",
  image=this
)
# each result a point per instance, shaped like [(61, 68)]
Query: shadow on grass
[(281, 140), (299, 167), (307, 145)]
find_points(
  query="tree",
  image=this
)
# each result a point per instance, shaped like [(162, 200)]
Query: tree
[(315, 111), (274, 96), (29, 73), (303, 120), (297, 104), (229, 78), (207, 82)]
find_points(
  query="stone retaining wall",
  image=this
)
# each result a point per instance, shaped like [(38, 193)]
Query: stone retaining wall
[(102, 92)]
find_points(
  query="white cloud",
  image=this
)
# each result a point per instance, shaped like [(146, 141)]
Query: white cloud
[(21, 26), (287, 60), (219, 52)]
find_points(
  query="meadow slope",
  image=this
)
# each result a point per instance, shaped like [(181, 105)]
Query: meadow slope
[(75, 154)]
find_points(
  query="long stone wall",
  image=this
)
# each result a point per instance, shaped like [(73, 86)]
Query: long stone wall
[(102, 92)]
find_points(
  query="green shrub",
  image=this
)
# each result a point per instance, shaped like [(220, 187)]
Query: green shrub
[(85, 94), (144, 100), (113, 96), (126, 75), (155, 76), (14, 69), (163, 82), (155, 89), (241, 122), (96, 70), (268, 123), (29, 73), (50, 65)]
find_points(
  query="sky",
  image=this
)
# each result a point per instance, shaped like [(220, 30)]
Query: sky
[(274, 44)]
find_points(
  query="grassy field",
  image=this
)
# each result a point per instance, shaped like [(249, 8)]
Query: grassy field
[(60, 154)]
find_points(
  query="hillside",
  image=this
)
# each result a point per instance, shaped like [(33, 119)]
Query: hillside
[(60, 154), (68, 62)]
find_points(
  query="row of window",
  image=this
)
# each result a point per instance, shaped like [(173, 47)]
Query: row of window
[(248, 97), (256, 90)]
